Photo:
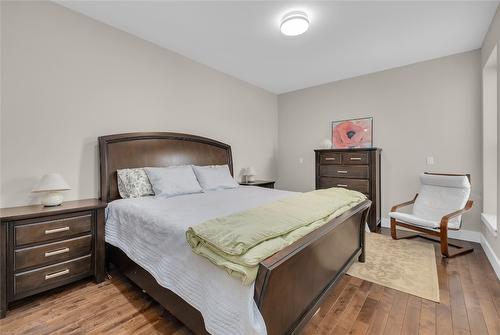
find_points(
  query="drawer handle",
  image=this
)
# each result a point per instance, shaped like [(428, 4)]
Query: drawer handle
[(341, 185), (329, 158), (56, 274), (56, 252), (341, 171), (56, 230), (355, 158)]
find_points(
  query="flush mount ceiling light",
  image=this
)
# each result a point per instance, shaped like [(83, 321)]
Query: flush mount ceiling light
[(294, 23)]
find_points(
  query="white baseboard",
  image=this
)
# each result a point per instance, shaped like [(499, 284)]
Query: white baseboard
[(490, 221), (462, 234), (490, 254)]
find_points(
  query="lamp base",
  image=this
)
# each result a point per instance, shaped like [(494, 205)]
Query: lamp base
[(51, 199)]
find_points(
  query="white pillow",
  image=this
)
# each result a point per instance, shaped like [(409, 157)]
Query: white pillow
[(173, 180), (214, 177)]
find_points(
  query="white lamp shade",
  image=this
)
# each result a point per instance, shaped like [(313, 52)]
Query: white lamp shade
[(326, 144), (251, 171), (51, 182)]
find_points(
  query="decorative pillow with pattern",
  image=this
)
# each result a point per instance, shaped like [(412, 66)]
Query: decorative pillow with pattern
[(133, 183)]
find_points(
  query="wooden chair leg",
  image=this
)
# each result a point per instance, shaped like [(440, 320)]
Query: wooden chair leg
[(445, 251), (461, 251), (443, 240), (394, 232), (393, 229)]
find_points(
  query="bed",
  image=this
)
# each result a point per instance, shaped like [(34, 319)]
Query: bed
[(290, 285)]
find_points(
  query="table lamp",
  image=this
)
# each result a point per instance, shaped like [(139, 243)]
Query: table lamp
[(51, 186), (326, 144), (250, 174)]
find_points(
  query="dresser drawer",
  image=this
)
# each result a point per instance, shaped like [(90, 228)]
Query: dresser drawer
[(360, 185), (52, 252), (52, 229), (50, 276), (355, 158), (344, 171), (329, 158)]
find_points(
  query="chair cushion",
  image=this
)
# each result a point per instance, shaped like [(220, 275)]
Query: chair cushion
[(445, 181), (412, 219), (439, 196)]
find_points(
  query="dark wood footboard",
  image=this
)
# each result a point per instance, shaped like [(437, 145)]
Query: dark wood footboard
[(290, 285)]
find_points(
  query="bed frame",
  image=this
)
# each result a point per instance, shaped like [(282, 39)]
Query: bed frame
[(290, 285)]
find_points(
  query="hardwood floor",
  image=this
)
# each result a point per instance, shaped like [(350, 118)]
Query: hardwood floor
[(469, 289)]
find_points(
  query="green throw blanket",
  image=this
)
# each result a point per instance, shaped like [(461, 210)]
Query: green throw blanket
[(239, 242)]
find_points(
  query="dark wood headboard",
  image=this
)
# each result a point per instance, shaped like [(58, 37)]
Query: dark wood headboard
[(134, 150)]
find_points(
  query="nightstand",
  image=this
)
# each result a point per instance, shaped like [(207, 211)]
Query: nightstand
[(260, 183), (42, 248)]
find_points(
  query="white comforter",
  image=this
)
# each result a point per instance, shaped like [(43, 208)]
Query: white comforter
[(151, 231)]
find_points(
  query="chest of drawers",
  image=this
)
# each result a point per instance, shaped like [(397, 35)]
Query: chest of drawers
[(354, 169), (46, 247)]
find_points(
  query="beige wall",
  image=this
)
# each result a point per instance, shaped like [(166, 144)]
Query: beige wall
[(493, 39), (426, 109), (68, 79), (490, 111)]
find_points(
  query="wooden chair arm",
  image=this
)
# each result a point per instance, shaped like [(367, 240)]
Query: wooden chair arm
[(447, 217), (395, 208)]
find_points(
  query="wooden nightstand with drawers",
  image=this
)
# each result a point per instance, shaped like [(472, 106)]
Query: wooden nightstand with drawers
[(259, 183), (42, 248)]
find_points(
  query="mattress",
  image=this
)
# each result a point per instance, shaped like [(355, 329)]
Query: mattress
[(152, 232)]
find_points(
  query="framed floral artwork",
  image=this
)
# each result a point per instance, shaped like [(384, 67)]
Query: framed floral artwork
[(354, 133)]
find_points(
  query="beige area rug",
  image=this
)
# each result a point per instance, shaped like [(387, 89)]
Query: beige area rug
[(404, 265)]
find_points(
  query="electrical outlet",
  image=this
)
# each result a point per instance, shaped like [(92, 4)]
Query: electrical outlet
[(430, 160)]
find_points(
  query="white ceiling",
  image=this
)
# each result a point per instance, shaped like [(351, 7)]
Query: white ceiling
[(345, 39)]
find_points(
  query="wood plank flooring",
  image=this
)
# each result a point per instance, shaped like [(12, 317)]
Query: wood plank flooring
[(469, 289)]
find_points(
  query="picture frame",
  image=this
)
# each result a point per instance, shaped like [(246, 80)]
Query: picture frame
[(352, 133)]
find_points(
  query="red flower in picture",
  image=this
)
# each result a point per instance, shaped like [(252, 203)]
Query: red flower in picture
[(352, 134)]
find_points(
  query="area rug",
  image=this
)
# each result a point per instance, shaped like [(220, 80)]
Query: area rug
[(404, 265)]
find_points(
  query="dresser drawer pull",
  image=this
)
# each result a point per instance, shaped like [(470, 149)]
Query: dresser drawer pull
[(56, 274), (355, 158), (341, 185), (56, 252), (56, 230), (329, 158), (341, 171)]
